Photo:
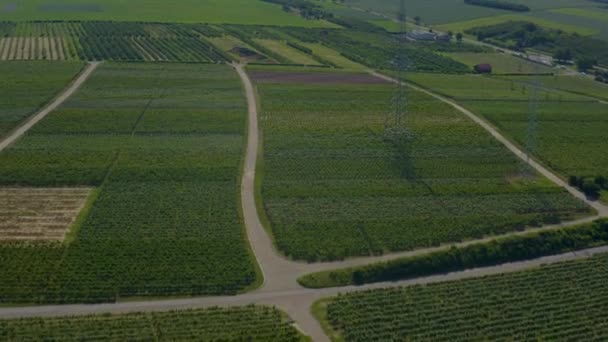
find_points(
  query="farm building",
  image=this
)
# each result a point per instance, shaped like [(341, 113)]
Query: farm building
[(483, 68)]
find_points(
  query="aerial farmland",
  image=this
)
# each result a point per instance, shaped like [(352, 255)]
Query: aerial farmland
[(303, 170)]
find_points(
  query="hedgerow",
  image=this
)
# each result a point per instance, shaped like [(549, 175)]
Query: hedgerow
[(498, 251)]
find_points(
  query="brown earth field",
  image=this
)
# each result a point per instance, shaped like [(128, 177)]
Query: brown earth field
[(31, 214), (314, 77)]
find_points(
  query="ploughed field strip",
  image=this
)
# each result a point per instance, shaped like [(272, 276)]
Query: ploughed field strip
[(26, 86), (560, 302), (570, 137), (32, 214), (250, 323), (163, 142), (336, 185)]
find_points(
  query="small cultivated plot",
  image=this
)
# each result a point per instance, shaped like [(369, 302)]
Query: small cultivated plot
[(571, 122), (336, 183), (286, 51), (33, 214), (164, 144), (248, 323), (333, 56), (560, 302), (498, 251), (501, 63), (27, 86)]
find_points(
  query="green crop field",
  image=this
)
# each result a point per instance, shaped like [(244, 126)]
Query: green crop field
[(501, 63), (336, 186), (188, 11), (571, 127), (448, 11), (250, 323), (26, 86), (163, 144), (462, 26), (561, 302)]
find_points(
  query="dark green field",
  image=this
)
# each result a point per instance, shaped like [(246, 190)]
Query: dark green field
[(163, 145)]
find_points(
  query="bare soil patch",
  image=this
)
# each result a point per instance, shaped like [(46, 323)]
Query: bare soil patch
[(315, 77), (28, 214)]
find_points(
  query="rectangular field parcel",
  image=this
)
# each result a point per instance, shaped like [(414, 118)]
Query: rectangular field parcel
[(561, 302), (335, 185), (164, 144), (250, 323), (39, 213)]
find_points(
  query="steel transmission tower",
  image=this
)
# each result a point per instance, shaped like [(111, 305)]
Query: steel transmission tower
[(532, 129), (396, 131), (400, 64)]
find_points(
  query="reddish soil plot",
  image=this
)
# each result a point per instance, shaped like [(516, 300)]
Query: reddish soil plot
[(28, 214), (315, 77)]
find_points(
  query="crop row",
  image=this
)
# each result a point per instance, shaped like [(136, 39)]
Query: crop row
[(562, 302), (336, 185), (107, 41), (250, 323), (164, 143)]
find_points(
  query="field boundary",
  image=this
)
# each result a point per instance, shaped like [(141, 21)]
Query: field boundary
[(32, 120)]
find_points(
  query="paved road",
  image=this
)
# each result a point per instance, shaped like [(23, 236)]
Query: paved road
[(34, 119), (280, 287)]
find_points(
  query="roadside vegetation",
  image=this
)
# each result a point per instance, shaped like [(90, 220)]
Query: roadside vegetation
[(499, 251), (556, 302)]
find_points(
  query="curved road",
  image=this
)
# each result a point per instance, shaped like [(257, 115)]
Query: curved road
[(280, 287), (34, 119)]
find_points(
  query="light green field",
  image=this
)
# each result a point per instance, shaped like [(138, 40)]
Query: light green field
[(594, 13), (286, 51), (462, 26), (501, 63), (190, 11), (333, 56)]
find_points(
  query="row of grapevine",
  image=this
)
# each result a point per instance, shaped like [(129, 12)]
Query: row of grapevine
[(250, 323), (561, 302), (114, 41)]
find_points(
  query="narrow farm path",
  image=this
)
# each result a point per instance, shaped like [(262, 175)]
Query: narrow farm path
[(280, 287), (35, 118)]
